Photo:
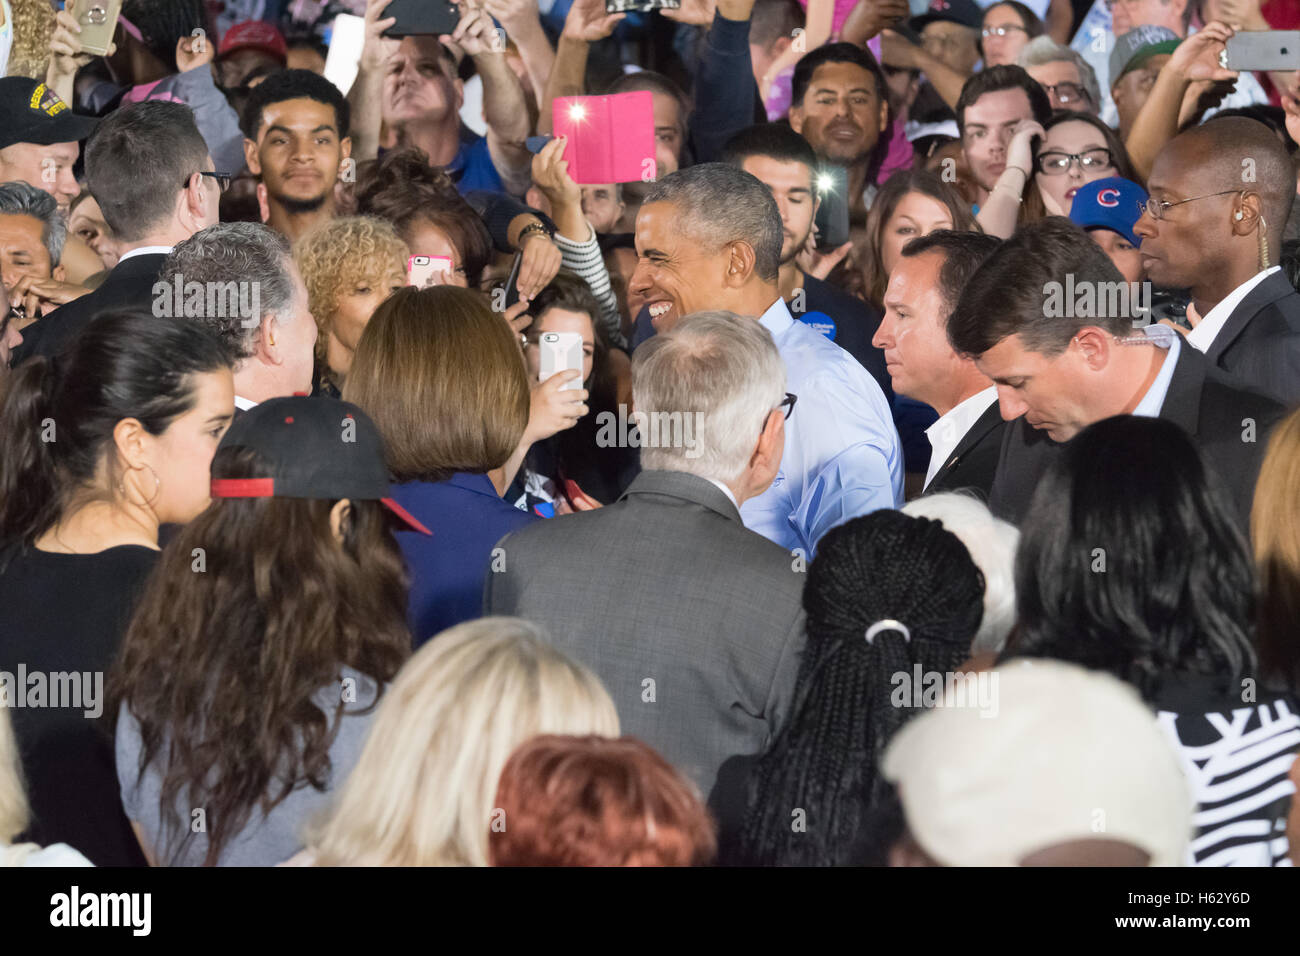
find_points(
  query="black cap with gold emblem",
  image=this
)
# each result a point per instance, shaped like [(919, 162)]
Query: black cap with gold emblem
[(30, 112)]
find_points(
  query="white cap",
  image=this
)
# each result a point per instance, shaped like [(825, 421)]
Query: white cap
[(1065, 754)]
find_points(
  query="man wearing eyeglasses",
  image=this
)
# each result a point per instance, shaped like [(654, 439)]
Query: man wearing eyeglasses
[(1220, 197), (150, 170), (1061, 367), (1064, 75)]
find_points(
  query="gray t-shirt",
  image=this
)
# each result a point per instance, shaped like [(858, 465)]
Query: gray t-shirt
[(267, 839)]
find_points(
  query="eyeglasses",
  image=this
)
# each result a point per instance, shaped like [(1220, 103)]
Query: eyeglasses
[(1066, 92), (1054, 163), (223, 179), (1156, 208), (788, 404), (1001, 31)]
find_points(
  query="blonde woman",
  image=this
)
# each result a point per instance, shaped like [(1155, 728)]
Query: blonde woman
[(350, 266), (15, 813), (423, 792)]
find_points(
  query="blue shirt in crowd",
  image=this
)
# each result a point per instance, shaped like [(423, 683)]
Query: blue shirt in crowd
[(449, 568)]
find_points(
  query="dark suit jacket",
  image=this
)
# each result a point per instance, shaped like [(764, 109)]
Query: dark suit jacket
[(1229, 425), (667, 586), (128, 286), (974, 461), (1259, 345)]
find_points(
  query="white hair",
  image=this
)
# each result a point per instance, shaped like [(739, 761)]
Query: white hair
[(717, 376), (992, 545), (1043, 50)]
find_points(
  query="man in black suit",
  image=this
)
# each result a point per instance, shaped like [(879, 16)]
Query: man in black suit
[(149, 168), (1220, 197), (1060, 365), (923, 289), (783, 161)]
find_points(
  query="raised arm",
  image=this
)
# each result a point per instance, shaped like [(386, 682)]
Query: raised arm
[(586, 23), (366, 98), (503, 98)]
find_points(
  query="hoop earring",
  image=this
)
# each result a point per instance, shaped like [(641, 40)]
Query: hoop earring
[(157, 487)]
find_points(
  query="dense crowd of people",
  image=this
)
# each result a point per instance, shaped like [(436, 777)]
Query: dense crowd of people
[(902, 469)]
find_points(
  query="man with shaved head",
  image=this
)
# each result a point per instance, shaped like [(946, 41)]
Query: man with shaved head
[(1220, 197)]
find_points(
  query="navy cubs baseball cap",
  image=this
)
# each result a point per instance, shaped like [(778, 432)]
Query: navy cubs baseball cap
[(968, 13), (316, 448), (1110, 203), (30, 112)]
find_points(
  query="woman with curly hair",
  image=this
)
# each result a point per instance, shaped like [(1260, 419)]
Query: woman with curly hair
[(350, 266)]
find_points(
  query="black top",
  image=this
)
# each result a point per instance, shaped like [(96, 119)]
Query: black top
[(62, 616)]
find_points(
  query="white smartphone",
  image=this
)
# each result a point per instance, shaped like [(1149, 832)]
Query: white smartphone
[(344, 59), (423, 271), (560, 351), (1262, 50)]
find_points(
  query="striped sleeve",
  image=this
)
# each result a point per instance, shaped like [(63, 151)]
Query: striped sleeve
[(585, 260)]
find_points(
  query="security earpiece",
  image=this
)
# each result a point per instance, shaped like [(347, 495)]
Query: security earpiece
[(1237, 215)]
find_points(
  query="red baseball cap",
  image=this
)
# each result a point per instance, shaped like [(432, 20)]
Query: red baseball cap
[(254, 35)]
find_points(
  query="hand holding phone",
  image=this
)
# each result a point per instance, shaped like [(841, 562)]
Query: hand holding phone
[(98, 22), (422, 18), (832, 219), (424, 271), (1262, 51), (640, 6), (560, 352)]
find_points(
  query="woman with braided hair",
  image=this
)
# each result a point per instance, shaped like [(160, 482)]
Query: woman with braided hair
[(887, 592)]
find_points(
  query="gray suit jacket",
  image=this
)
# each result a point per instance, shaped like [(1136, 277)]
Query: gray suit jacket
[(693, 622)]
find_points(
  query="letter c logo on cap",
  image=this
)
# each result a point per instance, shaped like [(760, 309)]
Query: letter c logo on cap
[(1108, 198)]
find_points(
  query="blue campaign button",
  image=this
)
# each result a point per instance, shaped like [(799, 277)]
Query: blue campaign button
[(820, 321)]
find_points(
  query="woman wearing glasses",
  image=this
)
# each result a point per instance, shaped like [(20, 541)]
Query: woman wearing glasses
[(1076, 149), (1007, 28)]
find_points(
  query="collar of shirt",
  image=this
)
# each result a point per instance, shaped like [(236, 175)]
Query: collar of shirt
[(953, 425), (244, 404), (145, 251), (777, 318), (1154, 400), (725, 490), (1203, 336)]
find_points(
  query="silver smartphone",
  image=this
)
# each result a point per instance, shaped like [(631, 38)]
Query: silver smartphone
[(560, 351), (1260, 50)]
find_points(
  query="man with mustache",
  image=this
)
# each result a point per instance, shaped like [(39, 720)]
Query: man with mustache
[(839, 104), (295, 128)]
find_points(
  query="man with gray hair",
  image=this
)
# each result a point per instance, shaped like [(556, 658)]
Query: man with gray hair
[(32, 234), (699, 647), (709, 237), (240, 280), (1067, 78)]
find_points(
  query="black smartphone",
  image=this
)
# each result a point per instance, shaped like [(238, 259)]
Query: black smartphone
[(832, 186), (640, 6), (512, 280), (421, 18)]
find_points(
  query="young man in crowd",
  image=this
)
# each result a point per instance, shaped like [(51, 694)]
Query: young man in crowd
[(783, 161), (840, 105), (923, 289), (1221, 194), (1060, 367), (709, 237), (150, 170), (994, 104), (296, 138)]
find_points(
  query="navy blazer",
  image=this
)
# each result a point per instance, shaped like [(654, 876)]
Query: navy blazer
[(448, 570)]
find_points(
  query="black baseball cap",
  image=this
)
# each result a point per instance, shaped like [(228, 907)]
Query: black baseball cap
[(30, 112), (317, 448), (966, 12)]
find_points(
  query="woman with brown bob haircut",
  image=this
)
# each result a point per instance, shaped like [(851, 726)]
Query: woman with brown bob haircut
[(595, 801), (443, 378)]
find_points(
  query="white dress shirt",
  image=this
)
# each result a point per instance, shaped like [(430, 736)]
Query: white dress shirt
[(952, 427), (1154, 400), (1203, 336), (145, 251), (244, 404)]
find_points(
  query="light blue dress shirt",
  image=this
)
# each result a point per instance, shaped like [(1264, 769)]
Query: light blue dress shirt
[(842, 455), (1166, 338)]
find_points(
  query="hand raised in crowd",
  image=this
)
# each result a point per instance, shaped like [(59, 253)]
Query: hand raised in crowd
[(869, 19), (540, 263), (1197, 57), (554, 408), (1243, 14), (517, 16), (551, 176), (698, 13), (820, 263), (897, 51), (66, 52), (476, 34), (1020, 150), (377, 47), (193, 52), (517, 317), (588, 21)]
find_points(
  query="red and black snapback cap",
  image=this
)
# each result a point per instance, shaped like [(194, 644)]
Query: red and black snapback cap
[(316, 448)]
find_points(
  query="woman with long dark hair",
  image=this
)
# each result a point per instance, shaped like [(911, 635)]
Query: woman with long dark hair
[(1130, 562), (265, 638), (887, 595), (97, 450)]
